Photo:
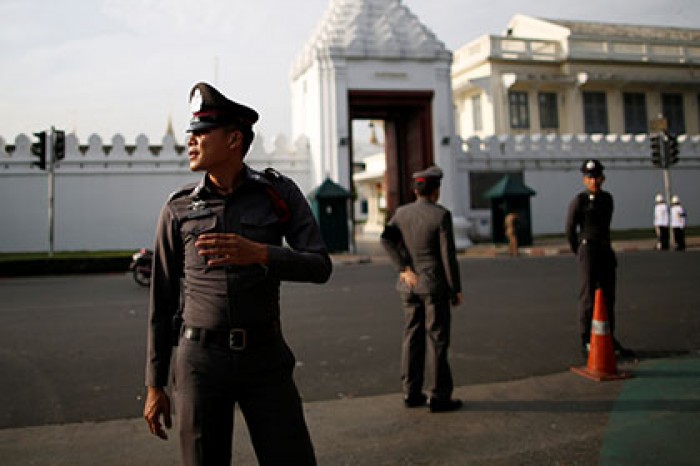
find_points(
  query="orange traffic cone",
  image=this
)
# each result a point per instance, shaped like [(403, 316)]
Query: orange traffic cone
[(601, 357)]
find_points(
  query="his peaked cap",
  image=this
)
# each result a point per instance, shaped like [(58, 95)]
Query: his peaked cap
[(431, 172), (592, 168), (211, 109)]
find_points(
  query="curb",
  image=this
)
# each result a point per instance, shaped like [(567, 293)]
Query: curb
[(490, 251)]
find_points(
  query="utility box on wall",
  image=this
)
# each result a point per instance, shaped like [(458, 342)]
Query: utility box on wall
[(329, 203)]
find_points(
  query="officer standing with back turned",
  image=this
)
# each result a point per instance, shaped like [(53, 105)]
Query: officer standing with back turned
[(420, 242), (588, 233), (218, 262)]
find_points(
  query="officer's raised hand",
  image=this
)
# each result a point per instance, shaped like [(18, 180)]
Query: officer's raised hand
[(230, 249)]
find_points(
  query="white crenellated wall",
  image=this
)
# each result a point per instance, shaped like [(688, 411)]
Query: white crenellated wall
[(108, 195), (550, 165)]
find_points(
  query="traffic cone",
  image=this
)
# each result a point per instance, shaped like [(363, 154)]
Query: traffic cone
[(602, 365)]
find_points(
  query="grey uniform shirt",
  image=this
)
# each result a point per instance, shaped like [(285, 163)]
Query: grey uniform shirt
[(425, 242), (265, 208)]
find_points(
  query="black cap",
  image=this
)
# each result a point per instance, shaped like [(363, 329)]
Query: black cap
[(211, 109), (592, 168)]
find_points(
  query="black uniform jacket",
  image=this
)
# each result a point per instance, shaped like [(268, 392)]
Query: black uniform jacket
[(589, 218), (420, 236), (266, 208)]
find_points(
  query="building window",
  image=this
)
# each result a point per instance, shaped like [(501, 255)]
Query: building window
[(595, 113), (549, 117), (672, 107), (519, 111), (364, 207), (476, 112), (635, 112)]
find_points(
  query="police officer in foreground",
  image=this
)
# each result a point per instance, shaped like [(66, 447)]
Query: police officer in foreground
[(419, 239), (217, 267), (588, 233)]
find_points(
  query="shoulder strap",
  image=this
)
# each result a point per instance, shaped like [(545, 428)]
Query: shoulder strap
[(280, 205)]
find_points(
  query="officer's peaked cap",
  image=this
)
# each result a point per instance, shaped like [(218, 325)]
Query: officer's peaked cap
[(433, 172), (211, 109), (592, 168)]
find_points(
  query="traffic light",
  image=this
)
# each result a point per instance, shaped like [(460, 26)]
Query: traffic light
[(39, 150), (59, 145), (672, 149), (656, 156)]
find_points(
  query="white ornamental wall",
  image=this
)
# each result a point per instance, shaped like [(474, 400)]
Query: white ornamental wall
[(109, 196), (551, 164)]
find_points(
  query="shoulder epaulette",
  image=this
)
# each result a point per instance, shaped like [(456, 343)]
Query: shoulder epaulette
[(183, 191), (271, 172)]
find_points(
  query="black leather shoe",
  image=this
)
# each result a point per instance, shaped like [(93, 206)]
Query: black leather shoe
[(621, 351), (441, 406), (415, 401)]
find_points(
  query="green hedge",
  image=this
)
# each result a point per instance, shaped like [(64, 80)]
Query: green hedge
[(13, 267)]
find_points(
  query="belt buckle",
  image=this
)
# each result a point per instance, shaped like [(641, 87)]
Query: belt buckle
[(237, 339), (191, 333)]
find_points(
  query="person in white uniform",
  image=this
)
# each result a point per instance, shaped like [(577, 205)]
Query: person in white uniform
[(661, 223), (678, 220)]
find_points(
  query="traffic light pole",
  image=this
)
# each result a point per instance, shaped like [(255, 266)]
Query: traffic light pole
[(50, 166), (667, 172)]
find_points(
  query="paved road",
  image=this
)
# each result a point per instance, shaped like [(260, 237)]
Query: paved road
[(75, 345), (71, 350)]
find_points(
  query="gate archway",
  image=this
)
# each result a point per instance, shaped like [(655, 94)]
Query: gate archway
[(374, 59), (408, 135)]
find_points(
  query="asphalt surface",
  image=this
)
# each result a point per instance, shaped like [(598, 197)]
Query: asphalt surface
[(559, 419)]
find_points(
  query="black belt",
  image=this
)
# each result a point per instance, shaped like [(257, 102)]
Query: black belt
[(235, 339), (595, 242)]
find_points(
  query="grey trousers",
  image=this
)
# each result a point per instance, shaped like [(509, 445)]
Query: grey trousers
[(597, 267), (209, 381), (426, 339)]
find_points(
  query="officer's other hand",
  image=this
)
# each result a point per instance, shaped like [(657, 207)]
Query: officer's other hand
[(230, 249), (157, 405), (409, 278), (457, 299)]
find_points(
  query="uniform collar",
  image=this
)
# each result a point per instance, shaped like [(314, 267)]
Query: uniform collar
[(205, 189)]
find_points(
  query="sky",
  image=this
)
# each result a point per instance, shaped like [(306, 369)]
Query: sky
[(125, 66)]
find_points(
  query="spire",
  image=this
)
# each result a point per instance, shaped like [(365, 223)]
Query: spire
[(359, 29), (169, 129)]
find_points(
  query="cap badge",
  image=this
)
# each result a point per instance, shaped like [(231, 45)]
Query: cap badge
[(196, 101), (590, 165)]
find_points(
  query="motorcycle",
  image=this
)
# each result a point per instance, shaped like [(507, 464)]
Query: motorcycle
[(141, 263)]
